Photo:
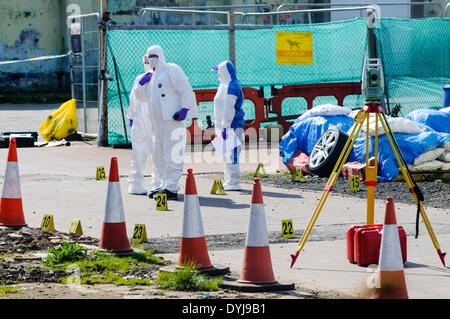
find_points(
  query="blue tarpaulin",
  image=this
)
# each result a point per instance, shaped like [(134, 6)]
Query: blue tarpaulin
[(436, 120), (304, 134)]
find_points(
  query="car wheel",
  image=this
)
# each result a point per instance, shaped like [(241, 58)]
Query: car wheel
[(326, 152)]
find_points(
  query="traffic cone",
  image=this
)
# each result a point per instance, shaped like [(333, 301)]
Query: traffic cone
[(114, 233), (11, 209), (193, 242), (392, 284), (257, 266)]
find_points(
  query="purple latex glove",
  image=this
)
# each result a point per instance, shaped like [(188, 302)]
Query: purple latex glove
[(131, 122), (224, 133), (180, 115), (146, 78)]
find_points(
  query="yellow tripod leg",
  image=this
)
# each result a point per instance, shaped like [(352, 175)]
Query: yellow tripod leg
[(329, 186), (409, 182), (371, 173)]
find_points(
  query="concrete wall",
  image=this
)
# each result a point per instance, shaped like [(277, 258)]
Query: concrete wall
[(29, 29)]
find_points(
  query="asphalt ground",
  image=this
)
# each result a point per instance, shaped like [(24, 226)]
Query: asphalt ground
[(61, 181)]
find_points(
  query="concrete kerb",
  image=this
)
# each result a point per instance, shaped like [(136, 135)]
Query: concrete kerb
[(12, 227), (230, 283), (217, 270)]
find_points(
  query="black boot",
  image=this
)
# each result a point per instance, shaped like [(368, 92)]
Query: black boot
[(170, 195), (153, 192)]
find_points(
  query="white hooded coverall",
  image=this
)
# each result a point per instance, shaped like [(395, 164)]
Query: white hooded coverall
[(228, 114), (168, 92), (142, 143)]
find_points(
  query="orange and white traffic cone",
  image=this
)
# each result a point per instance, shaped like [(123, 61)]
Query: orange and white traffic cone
[(193, 242), (11, 209), (257, 273), (114, 232), (257, 266), (392, 284)]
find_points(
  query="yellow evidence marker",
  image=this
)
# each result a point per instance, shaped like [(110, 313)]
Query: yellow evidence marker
[(139, 234), (100, 175), (260, 166), (218, 186), (287, 228), (297, 172), (161, 201), (354, 183), (47, 223), (75, 227)]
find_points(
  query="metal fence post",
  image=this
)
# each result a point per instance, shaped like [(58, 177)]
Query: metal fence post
[(231, 38), (102, 139), (83, 70), (72, 89)]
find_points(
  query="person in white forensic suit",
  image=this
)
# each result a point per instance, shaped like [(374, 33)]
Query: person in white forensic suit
[(170, 100), (141, 140), (229, 116)]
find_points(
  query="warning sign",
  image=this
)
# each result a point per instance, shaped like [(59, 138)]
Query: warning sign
[(294, 47)]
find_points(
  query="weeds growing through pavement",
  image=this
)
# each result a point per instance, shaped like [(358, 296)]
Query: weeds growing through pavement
[(65, 252), (187, 278)]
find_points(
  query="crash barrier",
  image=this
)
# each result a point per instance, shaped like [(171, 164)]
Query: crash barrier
[(413, 53), (264, 107), (253, 95), (309, 92)]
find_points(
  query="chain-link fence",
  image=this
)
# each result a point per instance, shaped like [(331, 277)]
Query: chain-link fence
[(415, 55), (416, 61), (197, 50)]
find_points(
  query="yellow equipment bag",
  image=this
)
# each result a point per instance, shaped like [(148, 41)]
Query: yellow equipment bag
[(60, 123)]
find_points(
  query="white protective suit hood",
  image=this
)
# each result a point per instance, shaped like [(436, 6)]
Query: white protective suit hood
[(224, 74), (157, 50)]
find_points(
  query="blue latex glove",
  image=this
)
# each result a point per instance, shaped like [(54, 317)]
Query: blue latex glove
[(131, 122), (146, 78), (224, 133), (180, 115)]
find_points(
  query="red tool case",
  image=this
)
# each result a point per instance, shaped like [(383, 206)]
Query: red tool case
[(363, 244)]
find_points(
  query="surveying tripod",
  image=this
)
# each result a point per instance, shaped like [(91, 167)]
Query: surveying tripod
[(372, 88)]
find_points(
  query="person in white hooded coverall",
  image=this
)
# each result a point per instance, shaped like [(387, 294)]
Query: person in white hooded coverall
[(141, 140), (170, 100), (229, 115)]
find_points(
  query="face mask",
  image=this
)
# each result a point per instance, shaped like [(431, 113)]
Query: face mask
[(147, 68), (153, 62)]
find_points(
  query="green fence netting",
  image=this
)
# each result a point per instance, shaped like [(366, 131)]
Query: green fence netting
[(415, 57), (416, 61)]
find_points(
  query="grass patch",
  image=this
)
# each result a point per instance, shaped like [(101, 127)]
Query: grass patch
[(102, 267), (65, 252), (187, 278), (105, 262), (5, 290)]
